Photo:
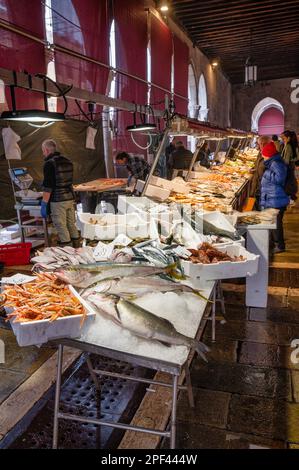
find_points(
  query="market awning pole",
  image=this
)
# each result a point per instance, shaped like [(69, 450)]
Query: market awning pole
[(230, 147), (217, 148), (157, 157), (199, 146)]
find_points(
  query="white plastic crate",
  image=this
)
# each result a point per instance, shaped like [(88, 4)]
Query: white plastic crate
[(224, 269), (220, 220), (41, 331), (111, 225), (173, 185), (160, 194), (129, 204)]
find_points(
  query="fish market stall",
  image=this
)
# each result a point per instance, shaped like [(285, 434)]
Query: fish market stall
[(110, 340), (137, 331)]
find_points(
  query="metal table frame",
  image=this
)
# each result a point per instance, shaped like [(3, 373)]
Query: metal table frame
[(173, 369)]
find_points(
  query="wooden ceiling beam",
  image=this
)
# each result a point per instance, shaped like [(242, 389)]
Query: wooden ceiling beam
[(243, 20), (257, 8), (292, 26)]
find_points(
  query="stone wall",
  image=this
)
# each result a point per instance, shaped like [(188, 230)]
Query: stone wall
[(245, 99)]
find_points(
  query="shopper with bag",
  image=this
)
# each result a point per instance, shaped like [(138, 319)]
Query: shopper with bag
[(273, 194)]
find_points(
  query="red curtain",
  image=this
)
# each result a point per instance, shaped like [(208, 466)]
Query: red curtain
[(81, 27), (161, 55), (131, 57), (20, 53), (131, 45), (181, 64)]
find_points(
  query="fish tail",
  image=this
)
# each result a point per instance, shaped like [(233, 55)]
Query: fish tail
[(201, 349), (197, 292), (172, 271)]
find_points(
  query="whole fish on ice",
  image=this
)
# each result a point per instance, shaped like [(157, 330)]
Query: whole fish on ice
[(138, 286), (84, 276), (145, 324)]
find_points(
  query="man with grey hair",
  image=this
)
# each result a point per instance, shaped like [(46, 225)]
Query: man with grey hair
[(58, 194)]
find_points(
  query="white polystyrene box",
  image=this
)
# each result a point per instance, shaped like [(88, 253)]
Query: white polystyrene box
[(153, 191), (224, 269), (129, 204), (41, 331), (177, 186), (132, 225), (220, 220)]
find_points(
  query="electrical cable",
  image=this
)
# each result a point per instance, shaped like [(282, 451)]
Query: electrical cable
[(140, 146)]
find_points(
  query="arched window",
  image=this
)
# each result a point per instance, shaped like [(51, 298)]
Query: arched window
[(192, 93), (51, 72), (112, 63), (202, 99)]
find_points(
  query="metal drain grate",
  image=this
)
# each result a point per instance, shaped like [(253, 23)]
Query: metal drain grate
[(119, 400)]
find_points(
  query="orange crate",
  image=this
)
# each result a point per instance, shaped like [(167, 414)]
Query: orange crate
[(15, 254)]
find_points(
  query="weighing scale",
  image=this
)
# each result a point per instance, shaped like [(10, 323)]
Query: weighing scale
[(29, 201)]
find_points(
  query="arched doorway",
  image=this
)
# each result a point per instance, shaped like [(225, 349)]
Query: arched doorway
[(271, 122), (268, 117)]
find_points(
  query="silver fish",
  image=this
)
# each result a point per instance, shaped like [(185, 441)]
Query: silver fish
[(149, 326), (137, 286), (144, 323), (84, 276)]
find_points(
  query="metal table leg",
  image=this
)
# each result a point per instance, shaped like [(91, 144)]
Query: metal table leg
[(221, 298), (189, 386), (91, 371), (214, 314), (57, 396), (175, 381)]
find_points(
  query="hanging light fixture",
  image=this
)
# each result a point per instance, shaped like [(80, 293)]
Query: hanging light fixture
[(144, 125), (164, 6), (250, 67), (34, 115)]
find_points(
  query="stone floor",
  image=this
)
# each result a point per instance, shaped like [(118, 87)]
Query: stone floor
[(247, 396), (20, 363), (290, 223)]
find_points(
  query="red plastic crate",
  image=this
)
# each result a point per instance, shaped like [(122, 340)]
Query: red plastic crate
[(15, 254)]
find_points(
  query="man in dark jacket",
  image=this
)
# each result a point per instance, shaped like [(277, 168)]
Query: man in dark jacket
[(273, 194), (58, 194), (181, 157)]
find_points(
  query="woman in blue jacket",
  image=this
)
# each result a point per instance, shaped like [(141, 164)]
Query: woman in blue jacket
[(273, 194)]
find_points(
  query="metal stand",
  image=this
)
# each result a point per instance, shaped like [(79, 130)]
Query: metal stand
[(157, 157), (42, 227), (171, 433), (217, 297), (199, 145)]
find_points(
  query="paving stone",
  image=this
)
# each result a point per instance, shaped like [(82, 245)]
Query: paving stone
[(25, 359), (293, 299), (235, 312), (211, 408), (258, 314), (192, 436), (224, 350), (274, 419), (9, 381), (295, 385), (242, 379), (277, 297), (266, 355), (257, 332), (283, 315)]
